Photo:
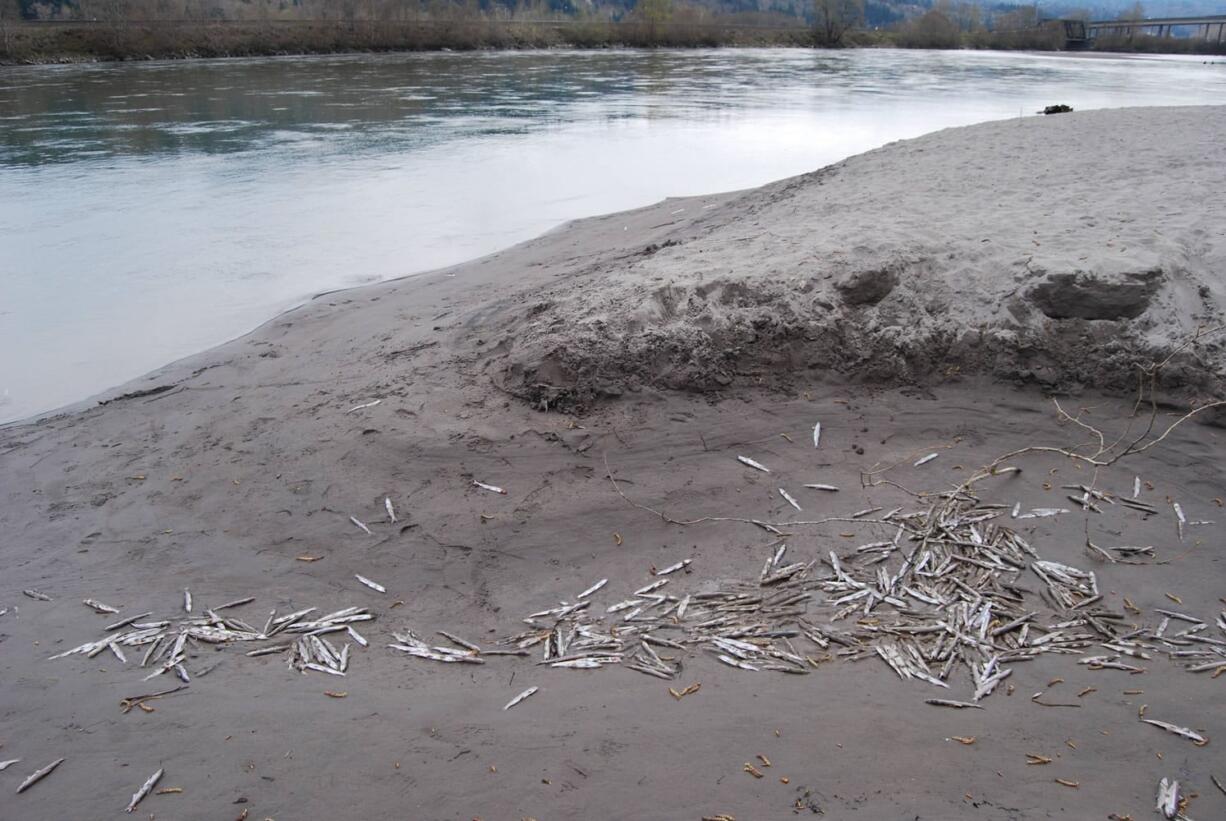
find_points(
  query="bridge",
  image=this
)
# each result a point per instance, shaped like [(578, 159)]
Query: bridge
[(1212, 28)]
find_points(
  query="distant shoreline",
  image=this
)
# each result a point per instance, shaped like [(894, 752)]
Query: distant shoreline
[(68, 42)]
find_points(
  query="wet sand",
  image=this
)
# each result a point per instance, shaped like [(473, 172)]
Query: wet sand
[(251, 458)]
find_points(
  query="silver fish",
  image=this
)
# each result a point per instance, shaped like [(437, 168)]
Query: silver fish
[(37, 595), (673, 568), (745, 460), (653, 586), (99, 607), (375, 586), (817, 435), (830, 488), (1179, 512), (923, 460), (319, 668), (364, 406), (140, 794), (592, 589), (187, 600), (1136, 490), (4, 765), (520, 697), (490, 488), (957, 705), (788, 498), (356, 636), (1168, 798), (391, 511), (1017, 508), (361, 524), (1193, 736), (39, 775)]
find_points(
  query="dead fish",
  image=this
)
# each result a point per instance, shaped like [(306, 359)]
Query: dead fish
[(364, 406), (1193, 736), (923, 460), (36, 595), (118, 653), (830, 488), (356, 636), (1179, 512), (235, 603), (99, 607), (1168, 798), (673, 568), (375, 586), (817, 435), (39, 775), (520, 697), (127, 621), (957, 705), (140, 794), (1017, 508), (788, 498), (1136, 487), (319, 668), (187, 600), (653, 586), (745, 460), (4, 765), (592, 589), (490, 488), (391, 511), (361, 524)]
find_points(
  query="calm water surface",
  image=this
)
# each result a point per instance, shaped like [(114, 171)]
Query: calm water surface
[(148, 211)]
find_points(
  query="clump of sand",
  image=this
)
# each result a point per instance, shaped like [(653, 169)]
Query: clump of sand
[(967, 251)]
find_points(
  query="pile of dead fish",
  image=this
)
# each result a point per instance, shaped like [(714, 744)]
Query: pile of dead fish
[(166, 641), (945, 593)]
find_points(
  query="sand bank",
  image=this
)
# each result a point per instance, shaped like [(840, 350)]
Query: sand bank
[(251, 455)]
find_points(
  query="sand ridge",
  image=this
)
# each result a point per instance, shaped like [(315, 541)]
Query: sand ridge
[(1058, 251)]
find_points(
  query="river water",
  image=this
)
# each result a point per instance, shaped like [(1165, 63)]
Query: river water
[(148, 211)]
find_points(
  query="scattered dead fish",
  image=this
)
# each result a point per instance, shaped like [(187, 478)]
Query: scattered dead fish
[(375, 586), (37, 595), (1168, 798), (957, 705), (745, 460), (520, 697), (99, 607), (39, 775), (787, 497), (923, 460), (391, 511), (817, 435), (140, 794), (592, 589), (828, 488), (1193, 736), (490, 488), (361, 525), (673, 568), (364, 406)]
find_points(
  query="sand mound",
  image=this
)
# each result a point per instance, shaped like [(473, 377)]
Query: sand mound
[(1063, 252)]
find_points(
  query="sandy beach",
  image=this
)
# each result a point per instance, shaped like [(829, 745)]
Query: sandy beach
[(928, 297)]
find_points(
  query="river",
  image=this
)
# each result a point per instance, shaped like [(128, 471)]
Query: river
[(151, 210)]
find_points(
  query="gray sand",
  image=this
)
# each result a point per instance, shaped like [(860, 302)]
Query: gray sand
[(250, 459)]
